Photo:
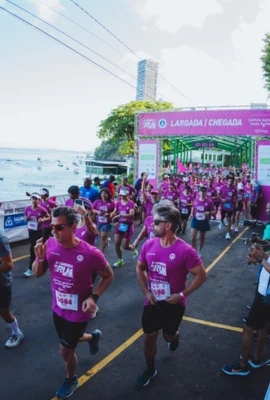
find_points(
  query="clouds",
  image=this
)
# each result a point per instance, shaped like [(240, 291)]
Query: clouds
[(171, 15), (45, 12)]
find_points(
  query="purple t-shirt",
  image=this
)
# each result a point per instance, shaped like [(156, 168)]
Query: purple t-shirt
[(83, 234), (211, 192), (49, 204), (171, 195), (202, 206), (148, 224), (34, 214), (69, 203), (125, 209), (229, 194), (71, 277), (167, 267), (106, 207), (185, 199)]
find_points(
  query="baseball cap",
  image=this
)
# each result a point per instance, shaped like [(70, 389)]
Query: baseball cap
[(186, 179), (35, 194), (123, 192), (240, 186)]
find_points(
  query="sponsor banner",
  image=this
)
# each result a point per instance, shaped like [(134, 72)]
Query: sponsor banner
[(263, 175), (12, 218), (148, 160), (205, 122)]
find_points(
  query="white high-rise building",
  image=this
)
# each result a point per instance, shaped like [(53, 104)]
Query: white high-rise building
[(147, 80)]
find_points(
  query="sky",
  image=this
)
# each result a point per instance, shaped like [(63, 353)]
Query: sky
[(50, 97)]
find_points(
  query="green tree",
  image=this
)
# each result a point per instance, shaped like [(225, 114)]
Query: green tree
[(119, 125), (109, 150), (266, 62)]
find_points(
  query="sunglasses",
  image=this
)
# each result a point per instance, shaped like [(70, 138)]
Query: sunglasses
[(58, 227), (158, 221)]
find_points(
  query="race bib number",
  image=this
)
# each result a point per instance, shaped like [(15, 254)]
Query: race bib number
[(66, 301), (200, 216), (209, 194), (160, 290), (33, 225), (184, 211), (123, 227), (227, 205), (102, 219)]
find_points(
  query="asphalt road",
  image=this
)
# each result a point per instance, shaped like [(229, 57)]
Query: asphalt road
[(210, 336)]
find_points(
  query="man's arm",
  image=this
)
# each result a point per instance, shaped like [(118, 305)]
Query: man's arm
[(107, 276), (6, 263), (199, 278), (40, 265), (142, 279)]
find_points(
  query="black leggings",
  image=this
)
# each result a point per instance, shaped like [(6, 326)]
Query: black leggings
[(33, 237)]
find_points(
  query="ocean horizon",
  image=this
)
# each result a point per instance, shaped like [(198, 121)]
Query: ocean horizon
[(28, 170)]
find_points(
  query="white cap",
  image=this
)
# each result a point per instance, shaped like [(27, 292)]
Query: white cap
[(35, 194), (240, 186), (253, 182), (123, 192), (186, 179)]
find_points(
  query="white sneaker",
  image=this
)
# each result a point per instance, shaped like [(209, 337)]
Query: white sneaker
[(14, 340), (228, 237), (221, 225), (28, 273), (232, 227), (236, 229), (95, 313)]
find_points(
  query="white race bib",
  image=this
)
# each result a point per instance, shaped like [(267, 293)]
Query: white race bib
[(66, 301), (200, 216), (33, 225), (263, 282), (102, 219), (184, 211), (160, 290)]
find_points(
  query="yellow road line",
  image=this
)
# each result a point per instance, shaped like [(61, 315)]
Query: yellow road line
[(213, 324), (225, 251), (98, 367), (20, 258)]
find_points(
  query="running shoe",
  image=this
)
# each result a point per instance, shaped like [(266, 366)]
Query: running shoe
[(94, 344), (221, 225), (118, 263), (258, 363), (146, 377), (232, 227), (95, 312), (236, 229), (174, 344), (134, 253), (228, 237), (14, 340), (68, 388), (235, 369), (28, 273)]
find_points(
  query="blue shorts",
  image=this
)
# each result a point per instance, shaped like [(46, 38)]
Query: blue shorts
[(105, 228), (202, 226)]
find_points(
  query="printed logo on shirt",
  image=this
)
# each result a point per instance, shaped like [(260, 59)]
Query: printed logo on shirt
[(172, 256), (64, 269), (79, 258), (159, 267)]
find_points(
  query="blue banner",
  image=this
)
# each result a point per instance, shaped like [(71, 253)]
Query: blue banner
[(13, 221)]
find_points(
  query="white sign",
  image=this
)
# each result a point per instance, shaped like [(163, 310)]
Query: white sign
[(148, 159), (263, 165)]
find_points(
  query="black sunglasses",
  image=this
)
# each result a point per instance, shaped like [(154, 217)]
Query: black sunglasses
[(158, 221), (58, 227)]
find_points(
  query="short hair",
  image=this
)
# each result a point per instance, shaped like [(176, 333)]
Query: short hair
[(68, 212), (230, 177), (74, 190), (167, 210)]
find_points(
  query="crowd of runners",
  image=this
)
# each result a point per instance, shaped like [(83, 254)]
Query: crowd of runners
[(70, 241)]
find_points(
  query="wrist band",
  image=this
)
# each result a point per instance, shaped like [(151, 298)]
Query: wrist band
[(182, 295), (39, 259)]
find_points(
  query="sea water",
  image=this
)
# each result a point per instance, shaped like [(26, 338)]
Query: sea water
[(29, 170)]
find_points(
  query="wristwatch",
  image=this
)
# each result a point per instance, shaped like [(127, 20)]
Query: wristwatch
[(260, 259), (94, 296)]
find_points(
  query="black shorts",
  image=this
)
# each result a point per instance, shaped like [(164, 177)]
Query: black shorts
[(5, 296), (185, 217), (201, 226), (69, 332), (259, 313), (239, 207), (226, 213), (163, 316)]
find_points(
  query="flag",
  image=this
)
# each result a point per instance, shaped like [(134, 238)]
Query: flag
[(180, 166)]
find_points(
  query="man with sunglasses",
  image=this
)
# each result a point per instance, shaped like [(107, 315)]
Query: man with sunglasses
[(71, 262), (162, 269)]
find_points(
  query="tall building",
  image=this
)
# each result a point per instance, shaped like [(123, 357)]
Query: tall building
[(147, 80)]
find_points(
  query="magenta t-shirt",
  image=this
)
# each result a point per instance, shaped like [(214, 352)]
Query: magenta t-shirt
[(83, 234), (49, 204), (148, 224), (202, 206), (228, 194), (171, 195), (125, 209), (107, 207), (34, 214), (71, 277), (69, 203), (185, 199), (168, 267), (211, 192)]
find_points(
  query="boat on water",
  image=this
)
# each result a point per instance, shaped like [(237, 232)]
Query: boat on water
[(60, 164), (36, 184), (18, 162), (1, 178), (76, 171)]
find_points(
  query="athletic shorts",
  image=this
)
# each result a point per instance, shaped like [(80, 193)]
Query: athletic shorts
[(226, 213), (105, 228), (239, 208), (163, 316), (259, 313), (202, 226), (69, 332), (5, 296), (126, 235), (185, 217)]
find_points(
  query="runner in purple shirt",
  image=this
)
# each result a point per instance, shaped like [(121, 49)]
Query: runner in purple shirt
[(49, 205), (71, 262), (228, 197), (162, 270)]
